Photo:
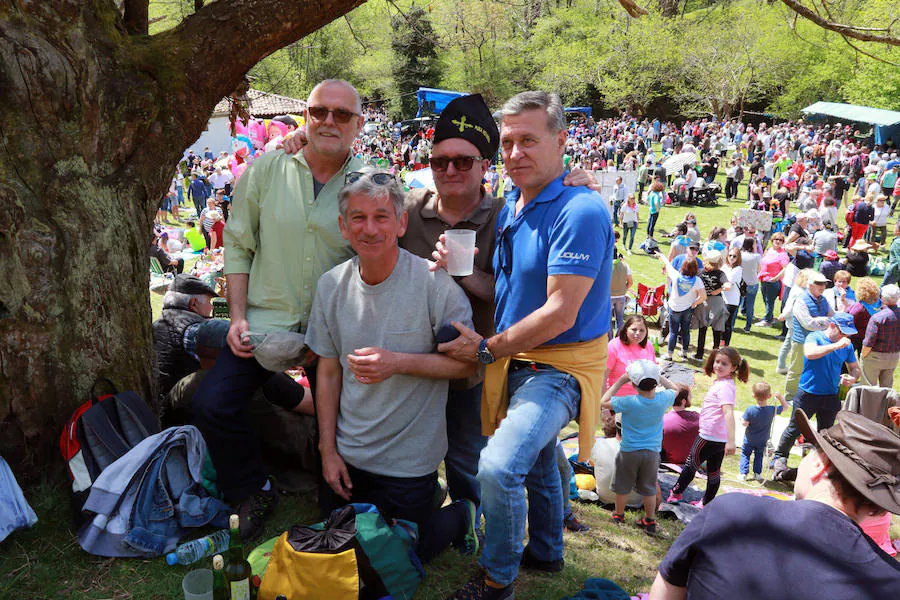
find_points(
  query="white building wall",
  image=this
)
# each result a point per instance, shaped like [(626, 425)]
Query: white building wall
[(216, 136)]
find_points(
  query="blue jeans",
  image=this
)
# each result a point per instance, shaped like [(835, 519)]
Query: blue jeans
[(522, 454), (822, 406), (770, 291), (628, 229), (680, 326), (618, 310), (464, 444), (565, 477), (747, 303), (651, 223), (616, 206), (757, 450)]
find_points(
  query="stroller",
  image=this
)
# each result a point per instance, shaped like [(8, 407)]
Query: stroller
[(705, 193)]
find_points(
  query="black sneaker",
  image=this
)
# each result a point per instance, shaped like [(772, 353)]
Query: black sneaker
[(254, 511), (574, 525), (648, 525), (547, 566), (478, 589)]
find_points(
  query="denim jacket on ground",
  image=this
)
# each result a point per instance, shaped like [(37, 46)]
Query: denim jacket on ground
[(145, 500)]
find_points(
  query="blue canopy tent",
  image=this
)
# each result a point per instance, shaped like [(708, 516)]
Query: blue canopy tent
[(886, 123), (434, 101), (586, 110)]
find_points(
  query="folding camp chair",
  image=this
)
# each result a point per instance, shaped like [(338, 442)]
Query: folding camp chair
[(649, 300)]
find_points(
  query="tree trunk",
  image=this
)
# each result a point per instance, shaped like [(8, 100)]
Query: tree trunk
[(93, 122)]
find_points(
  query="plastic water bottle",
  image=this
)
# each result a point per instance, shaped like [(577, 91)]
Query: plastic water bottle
[(190, 552)]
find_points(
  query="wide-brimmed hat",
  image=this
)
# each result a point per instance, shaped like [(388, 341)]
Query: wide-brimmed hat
[(190, 284), (861, 246), (865, 453)]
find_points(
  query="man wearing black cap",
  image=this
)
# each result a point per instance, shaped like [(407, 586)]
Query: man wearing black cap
[(186, 307), (751, 547), (465, 141)]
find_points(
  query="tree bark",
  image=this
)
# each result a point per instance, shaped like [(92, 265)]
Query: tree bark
[(94, 121)]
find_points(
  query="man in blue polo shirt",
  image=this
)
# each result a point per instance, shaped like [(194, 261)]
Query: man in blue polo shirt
[(545, 365), (824, 353)]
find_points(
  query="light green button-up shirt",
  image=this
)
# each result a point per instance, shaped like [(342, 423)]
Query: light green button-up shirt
[(284, 237)]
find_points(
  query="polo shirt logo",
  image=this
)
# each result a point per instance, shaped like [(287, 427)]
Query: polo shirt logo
[(575, 255)]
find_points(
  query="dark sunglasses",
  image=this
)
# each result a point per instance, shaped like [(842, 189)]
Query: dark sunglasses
[(340, 115), (460, 163), (379, 178), (505, 251)]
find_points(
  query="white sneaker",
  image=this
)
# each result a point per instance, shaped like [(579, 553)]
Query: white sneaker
[(758, 477), (781, 371), (747, 477)]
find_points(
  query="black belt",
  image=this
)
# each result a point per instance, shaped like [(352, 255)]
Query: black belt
[(516, 364)]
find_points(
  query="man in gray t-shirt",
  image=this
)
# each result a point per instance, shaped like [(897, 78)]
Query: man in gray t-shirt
[(381, 388)]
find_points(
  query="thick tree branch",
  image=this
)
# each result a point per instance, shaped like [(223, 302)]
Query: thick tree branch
[(848, 31), (137, 17)]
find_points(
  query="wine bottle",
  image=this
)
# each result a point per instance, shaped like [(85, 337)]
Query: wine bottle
[(237, 569), (220, 588)]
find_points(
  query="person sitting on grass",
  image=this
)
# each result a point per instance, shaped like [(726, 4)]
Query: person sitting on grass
[(747, 547), (757, 421), (716, 439), (637, 463)]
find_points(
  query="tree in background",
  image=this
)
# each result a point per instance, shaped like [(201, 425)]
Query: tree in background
[(96, 112), (416, 61)]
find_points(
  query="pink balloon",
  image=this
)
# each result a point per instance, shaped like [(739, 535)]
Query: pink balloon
[(257, 133)]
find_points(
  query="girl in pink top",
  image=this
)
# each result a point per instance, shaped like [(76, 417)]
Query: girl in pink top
[(771, 271), (630, 345), (716, 438)]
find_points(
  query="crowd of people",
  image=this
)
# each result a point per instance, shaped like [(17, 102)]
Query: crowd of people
[(333, 266)]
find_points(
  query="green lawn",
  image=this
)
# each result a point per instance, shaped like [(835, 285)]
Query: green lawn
[(46, 562)]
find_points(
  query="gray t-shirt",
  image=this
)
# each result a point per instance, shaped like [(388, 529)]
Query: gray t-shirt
[(397, 427), (824, 240)]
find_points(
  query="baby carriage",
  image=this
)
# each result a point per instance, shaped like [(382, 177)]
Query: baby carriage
[(705, 193)]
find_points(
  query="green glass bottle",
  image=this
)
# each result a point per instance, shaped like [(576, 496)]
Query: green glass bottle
[(220, 589), (237, 569)]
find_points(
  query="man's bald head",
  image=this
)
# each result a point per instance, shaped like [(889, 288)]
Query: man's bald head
[(337, 82)]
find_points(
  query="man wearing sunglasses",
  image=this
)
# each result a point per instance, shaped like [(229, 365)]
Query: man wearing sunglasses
[(546, 364), (465, 140), (281, 237)]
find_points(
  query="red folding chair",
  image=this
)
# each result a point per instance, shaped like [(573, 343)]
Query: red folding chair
[(649, 300)]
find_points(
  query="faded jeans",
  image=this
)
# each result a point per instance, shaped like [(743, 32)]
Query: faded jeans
[(618, 310), (522, 454), (747, 303), (464, 445), (680, 326)]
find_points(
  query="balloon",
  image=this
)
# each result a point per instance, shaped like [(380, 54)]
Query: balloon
[(276, 129), (257, 133), (240, 128)]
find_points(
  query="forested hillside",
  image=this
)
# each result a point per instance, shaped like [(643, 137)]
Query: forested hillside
[(717, 57)]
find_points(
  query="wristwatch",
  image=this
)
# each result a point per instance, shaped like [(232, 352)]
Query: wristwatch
[(484, 355)]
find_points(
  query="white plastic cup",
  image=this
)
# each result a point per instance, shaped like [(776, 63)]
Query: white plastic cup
[(198, 585), (461, 248)]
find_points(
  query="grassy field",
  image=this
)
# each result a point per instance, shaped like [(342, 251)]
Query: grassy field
[(46, 562)]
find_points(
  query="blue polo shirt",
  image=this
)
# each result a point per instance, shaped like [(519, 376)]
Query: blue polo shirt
[(823, 375), (563, 231)]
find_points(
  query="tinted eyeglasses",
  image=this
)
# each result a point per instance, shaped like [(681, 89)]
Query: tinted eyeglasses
[(505, 251), (460, 163), (379, 178), (340, 115)]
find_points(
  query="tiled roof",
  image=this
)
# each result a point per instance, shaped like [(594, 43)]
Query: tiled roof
[(263, 104)]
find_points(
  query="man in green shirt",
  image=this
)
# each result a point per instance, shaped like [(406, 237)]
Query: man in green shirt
[(282, 235)]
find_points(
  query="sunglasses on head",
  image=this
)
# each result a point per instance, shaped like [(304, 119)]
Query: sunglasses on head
[(379, 178), (460, 163), (340, 115)]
